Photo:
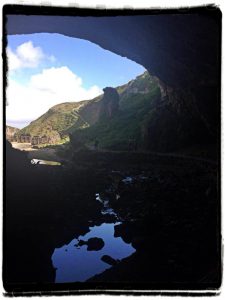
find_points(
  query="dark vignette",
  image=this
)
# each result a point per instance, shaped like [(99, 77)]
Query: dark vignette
[(103, 288)]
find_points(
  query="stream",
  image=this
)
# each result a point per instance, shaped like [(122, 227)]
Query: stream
[(92, 253)]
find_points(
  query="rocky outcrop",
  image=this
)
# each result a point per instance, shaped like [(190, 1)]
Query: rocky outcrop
[(10, 132), (109, 260), (93, 244), (54, 138), (36, 139), (90, 111), (109, 103)]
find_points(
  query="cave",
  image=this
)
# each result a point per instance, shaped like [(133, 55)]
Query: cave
[(182, 48)]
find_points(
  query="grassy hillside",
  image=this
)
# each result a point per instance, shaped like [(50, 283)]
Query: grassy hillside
[(137, 104), (81, 119), (58, 118)]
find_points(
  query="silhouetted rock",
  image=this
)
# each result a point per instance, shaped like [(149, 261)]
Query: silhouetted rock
[(109, 260), (109, 102), (93, 244), (81, 243)]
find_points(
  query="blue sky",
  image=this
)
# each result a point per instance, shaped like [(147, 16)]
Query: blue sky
[(47, 69)]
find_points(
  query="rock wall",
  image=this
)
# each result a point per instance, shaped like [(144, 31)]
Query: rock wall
[(109, 103), (180, 48), (10, 132), (182, 118), (91, 111)]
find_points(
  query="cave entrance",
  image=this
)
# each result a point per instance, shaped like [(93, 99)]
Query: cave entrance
[(181, 48), (49, 75)]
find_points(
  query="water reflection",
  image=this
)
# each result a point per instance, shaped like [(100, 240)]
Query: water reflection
[(75, 263), (35, 161), (106, 210)]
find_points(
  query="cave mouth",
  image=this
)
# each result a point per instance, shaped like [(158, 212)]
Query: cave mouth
[(52, 73), (46, 69), (144, 185), (180, 48)]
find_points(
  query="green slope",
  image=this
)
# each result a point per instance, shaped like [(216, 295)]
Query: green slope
[(81, 121), (137, 104), (58, 119)]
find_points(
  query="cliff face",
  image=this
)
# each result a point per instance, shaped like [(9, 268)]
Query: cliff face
[(109, 103), (89, 113), (10, 132), (181, 119)]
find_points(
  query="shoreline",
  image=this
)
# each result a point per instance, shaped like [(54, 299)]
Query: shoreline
[(22, 146)]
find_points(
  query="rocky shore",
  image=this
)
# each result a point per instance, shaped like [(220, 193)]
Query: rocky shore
[(170, 209)]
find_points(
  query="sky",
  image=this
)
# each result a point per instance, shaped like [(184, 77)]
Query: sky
[(48, 69)]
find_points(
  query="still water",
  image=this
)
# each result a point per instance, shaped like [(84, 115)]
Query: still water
[(74, 263), (35, 161)]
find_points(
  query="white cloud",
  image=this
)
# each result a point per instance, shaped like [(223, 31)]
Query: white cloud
[(13, 60), (60, 81), (26, 56), (46, 89)]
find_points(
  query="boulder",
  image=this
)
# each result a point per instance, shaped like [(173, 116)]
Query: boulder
[(109, 260), (93, 244)]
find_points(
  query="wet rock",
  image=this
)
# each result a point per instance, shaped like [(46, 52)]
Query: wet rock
[(109, 218), (139, 242), (123, 230), (95, 244), (81, 243), (127, 180), (109, 260)]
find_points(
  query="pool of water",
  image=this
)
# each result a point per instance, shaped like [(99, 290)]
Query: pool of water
[(36, 161), (74, 263), (77, 264)]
